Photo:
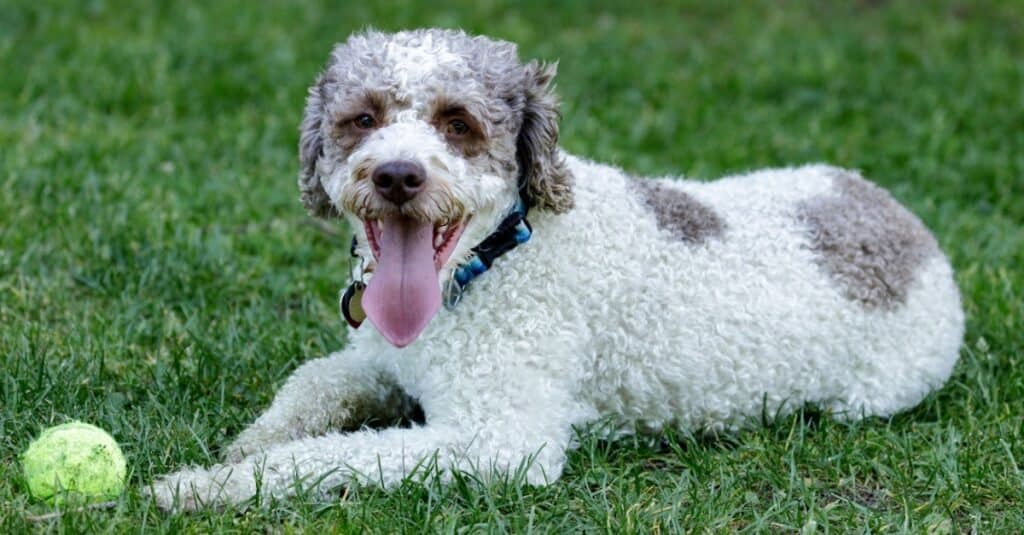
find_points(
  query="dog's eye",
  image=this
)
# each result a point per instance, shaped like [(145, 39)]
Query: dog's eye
[(458, 127), (364, 121)]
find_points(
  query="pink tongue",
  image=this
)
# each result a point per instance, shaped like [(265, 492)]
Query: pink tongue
[(403, 294)]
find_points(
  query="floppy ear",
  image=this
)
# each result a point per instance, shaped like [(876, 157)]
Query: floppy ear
[(311, 145), (548, 180)]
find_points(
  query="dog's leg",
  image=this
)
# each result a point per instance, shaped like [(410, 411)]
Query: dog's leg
[(484, 431), (343, 389)]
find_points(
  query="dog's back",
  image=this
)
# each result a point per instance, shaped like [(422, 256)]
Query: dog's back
[(711, 305)]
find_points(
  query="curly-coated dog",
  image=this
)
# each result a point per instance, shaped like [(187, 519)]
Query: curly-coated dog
[(512, 291)]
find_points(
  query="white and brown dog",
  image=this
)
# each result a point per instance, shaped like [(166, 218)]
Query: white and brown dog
[(640, 303)]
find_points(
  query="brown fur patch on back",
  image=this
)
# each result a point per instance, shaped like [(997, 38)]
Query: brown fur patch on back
[(868, 243), (679, 213)]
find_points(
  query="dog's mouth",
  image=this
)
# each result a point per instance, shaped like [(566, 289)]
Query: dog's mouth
[(443, 236), (404, 293)]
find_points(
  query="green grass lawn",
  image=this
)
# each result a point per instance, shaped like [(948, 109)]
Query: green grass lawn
[(159, 278)]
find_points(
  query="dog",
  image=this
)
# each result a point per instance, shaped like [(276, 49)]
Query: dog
[(506, 293)]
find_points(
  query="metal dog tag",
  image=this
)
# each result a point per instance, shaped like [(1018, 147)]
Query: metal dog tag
[(351, 304)]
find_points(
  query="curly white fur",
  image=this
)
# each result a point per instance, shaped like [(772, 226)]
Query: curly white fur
[(604, 315)]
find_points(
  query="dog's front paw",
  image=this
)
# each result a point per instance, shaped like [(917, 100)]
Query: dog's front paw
[(197, 488)]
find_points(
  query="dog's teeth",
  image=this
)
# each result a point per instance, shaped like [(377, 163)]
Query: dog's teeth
[(439, 234)]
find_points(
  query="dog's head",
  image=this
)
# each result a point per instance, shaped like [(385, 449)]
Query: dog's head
[(424, 140)]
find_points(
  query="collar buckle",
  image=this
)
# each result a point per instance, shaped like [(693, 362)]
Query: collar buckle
[(452, 293)]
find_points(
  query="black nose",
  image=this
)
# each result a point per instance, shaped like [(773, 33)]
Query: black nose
[(400, 180)]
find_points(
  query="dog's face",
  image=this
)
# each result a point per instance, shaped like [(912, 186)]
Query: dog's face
[(422, 140)]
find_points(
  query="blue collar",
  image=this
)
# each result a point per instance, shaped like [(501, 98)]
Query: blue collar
[(512, 231)]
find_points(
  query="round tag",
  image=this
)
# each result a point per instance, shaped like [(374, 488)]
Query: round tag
[(351, 304)]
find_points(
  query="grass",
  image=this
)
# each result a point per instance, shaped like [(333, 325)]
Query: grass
[(159, 278)]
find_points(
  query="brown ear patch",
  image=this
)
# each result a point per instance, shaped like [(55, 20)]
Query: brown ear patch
[(869, 244), (679, 213), (311, 145), (549, 182)]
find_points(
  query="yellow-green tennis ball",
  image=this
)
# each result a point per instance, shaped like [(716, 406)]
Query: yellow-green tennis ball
[(74, 460)]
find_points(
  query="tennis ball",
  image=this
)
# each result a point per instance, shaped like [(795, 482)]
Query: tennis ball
[(77, 461)]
